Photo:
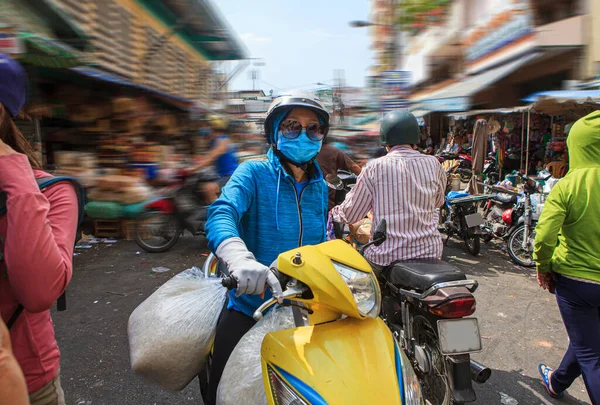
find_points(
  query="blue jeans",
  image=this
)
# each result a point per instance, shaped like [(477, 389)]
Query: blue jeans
[(579, 305)]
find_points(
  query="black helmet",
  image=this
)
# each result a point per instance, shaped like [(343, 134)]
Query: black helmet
[(399, 127), (286, 102)]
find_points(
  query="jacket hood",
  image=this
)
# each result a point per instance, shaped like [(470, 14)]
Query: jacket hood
[(584, 142)]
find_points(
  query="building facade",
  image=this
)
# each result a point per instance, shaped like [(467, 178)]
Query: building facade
[(493, 53), (166, 45)]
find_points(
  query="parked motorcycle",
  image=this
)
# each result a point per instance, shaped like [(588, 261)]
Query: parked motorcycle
[(512, 217), (459, 216), (491, 171), (340, 351), (180, 207), (427, 304), (464, 166)]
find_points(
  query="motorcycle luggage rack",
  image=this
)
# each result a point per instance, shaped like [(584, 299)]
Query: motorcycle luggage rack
[(421, 296)]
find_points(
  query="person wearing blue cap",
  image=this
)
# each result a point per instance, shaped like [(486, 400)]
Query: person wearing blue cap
[(37, 233)]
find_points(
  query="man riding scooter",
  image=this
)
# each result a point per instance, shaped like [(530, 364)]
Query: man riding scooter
[(266, 208), (403, 187)]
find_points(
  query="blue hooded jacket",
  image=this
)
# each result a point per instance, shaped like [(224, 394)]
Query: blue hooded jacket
[(260, 205)]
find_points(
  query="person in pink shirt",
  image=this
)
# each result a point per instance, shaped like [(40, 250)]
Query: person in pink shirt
[(405, 188), (37, 236)]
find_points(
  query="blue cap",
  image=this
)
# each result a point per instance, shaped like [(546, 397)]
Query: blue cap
[(13, 84)]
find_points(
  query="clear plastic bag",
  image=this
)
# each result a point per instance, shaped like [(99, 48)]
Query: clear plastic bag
[(242, 381), (171, 333)]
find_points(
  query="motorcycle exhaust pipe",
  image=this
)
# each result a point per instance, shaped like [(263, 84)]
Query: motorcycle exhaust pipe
[(479, 372)]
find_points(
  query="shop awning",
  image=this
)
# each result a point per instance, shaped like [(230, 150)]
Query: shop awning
[(465, 114), (565, 95), (420, 113), (457, 96), (573, 104), (46, 52), (179, 102)]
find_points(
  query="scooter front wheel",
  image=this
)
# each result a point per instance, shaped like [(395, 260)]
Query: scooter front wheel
[(157, 232)]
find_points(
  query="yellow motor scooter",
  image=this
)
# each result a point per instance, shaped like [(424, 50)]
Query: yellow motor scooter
[(340, 351)]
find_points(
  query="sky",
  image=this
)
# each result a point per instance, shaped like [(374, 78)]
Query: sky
[(301, 42)]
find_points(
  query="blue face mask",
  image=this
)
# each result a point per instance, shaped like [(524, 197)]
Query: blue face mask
[(300, 150)]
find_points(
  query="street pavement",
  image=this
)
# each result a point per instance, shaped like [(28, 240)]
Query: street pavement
[(520, 325)]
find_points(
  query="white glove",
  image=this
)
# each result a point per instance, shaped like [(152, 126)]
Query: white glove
[(251, 276)]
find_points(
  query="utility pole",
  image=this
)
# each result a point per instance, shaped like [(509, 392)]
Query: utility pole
[(254, 75)]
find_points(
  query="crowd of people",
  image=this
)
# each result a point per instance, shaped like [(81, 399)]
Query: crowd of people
[(273, 205)]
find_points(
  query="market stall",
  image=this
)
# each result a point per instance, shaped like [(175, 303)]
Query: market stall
[(564, 108)]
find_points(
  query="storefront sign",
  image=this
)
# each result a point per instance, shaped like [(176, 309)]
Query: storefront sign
[(10, 43), (395, 86), (519, 26)]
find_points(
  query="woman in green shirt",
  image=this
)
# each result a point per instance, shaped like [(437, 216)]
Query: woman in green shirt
[(567, 254)]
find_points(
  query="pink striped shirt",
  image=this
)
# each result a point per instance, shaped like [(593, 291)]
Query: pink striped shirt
[(406, 188)]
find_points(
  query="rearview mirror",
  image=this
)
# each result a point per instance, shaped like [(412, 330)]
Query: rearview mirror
[(334, 182), (380, 234)]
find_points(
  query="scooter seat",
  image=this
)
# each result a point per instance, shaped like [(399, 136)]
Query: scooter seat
[(419, 275), (505, 199)]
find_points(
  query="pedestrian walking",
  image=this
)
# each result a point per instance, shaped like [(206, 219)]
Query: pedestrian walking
[(37, 234), (567, 254)]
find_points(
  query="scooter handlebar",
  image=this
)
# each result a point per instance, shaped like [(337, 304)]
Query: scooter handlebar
[(231, 283)]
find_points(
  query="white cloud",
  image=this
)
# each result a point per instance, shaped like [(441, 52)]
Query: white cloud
[(253, 38)]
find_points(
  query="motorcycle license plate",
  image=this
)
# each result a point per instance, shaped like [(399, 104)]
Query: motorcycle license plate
[(473, 220), (459, 336)]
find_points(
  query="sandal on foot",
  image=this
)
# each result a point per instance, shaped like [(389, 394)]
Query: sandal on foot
[(544, 374)]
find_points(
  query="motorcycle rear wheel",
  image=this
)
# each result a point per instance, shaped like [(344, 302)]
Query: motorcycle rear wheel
[(155, 226), (435, 384), (473, 243), (514, 245)]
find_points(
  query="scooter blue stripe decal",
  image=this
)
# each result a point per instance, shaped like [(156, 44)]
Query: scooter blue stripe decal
[(399, 371), (307, 392)]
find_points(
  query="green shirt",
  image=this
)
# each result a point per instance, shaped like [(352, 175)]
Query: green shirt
[(568, 233)]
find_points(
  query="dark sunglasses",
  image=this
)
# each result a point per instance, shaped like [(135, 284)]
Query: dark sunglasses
[(291, 130)]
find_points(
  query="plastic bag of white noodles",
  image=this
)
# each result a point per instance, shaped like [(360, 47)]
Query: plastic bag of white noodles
[(171, 333), (242, 381)]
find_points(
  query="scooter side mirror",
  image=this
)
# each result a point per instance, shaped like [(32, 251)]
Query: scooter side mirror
[(334, 182), (380, 234)]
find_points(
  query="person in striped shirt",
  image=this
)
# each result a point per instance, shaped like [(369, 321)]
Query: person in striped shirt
[(405, 188)]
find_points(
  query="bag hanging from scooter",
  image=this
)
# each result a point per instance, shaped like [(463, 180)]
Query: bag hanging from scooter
[(171, 333), (242, 381)]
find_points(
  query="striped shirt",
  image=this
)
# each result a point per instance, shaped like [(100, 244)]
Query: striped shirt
[(405, 188)]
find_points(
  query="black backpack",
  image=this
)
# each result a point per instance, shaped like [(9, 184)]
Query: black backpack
[(43, 183)]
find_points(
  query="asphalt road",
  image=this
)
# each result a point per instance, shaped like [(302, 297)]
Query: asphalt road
[(519, 322)]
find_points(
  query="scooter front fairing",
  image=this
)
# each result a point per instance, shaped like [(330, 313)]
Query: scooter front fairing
[(349, 361)]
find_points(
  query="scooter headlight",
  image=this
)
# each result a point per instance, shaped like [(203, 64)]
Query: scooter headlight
[(363, 287), (411, 385)]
